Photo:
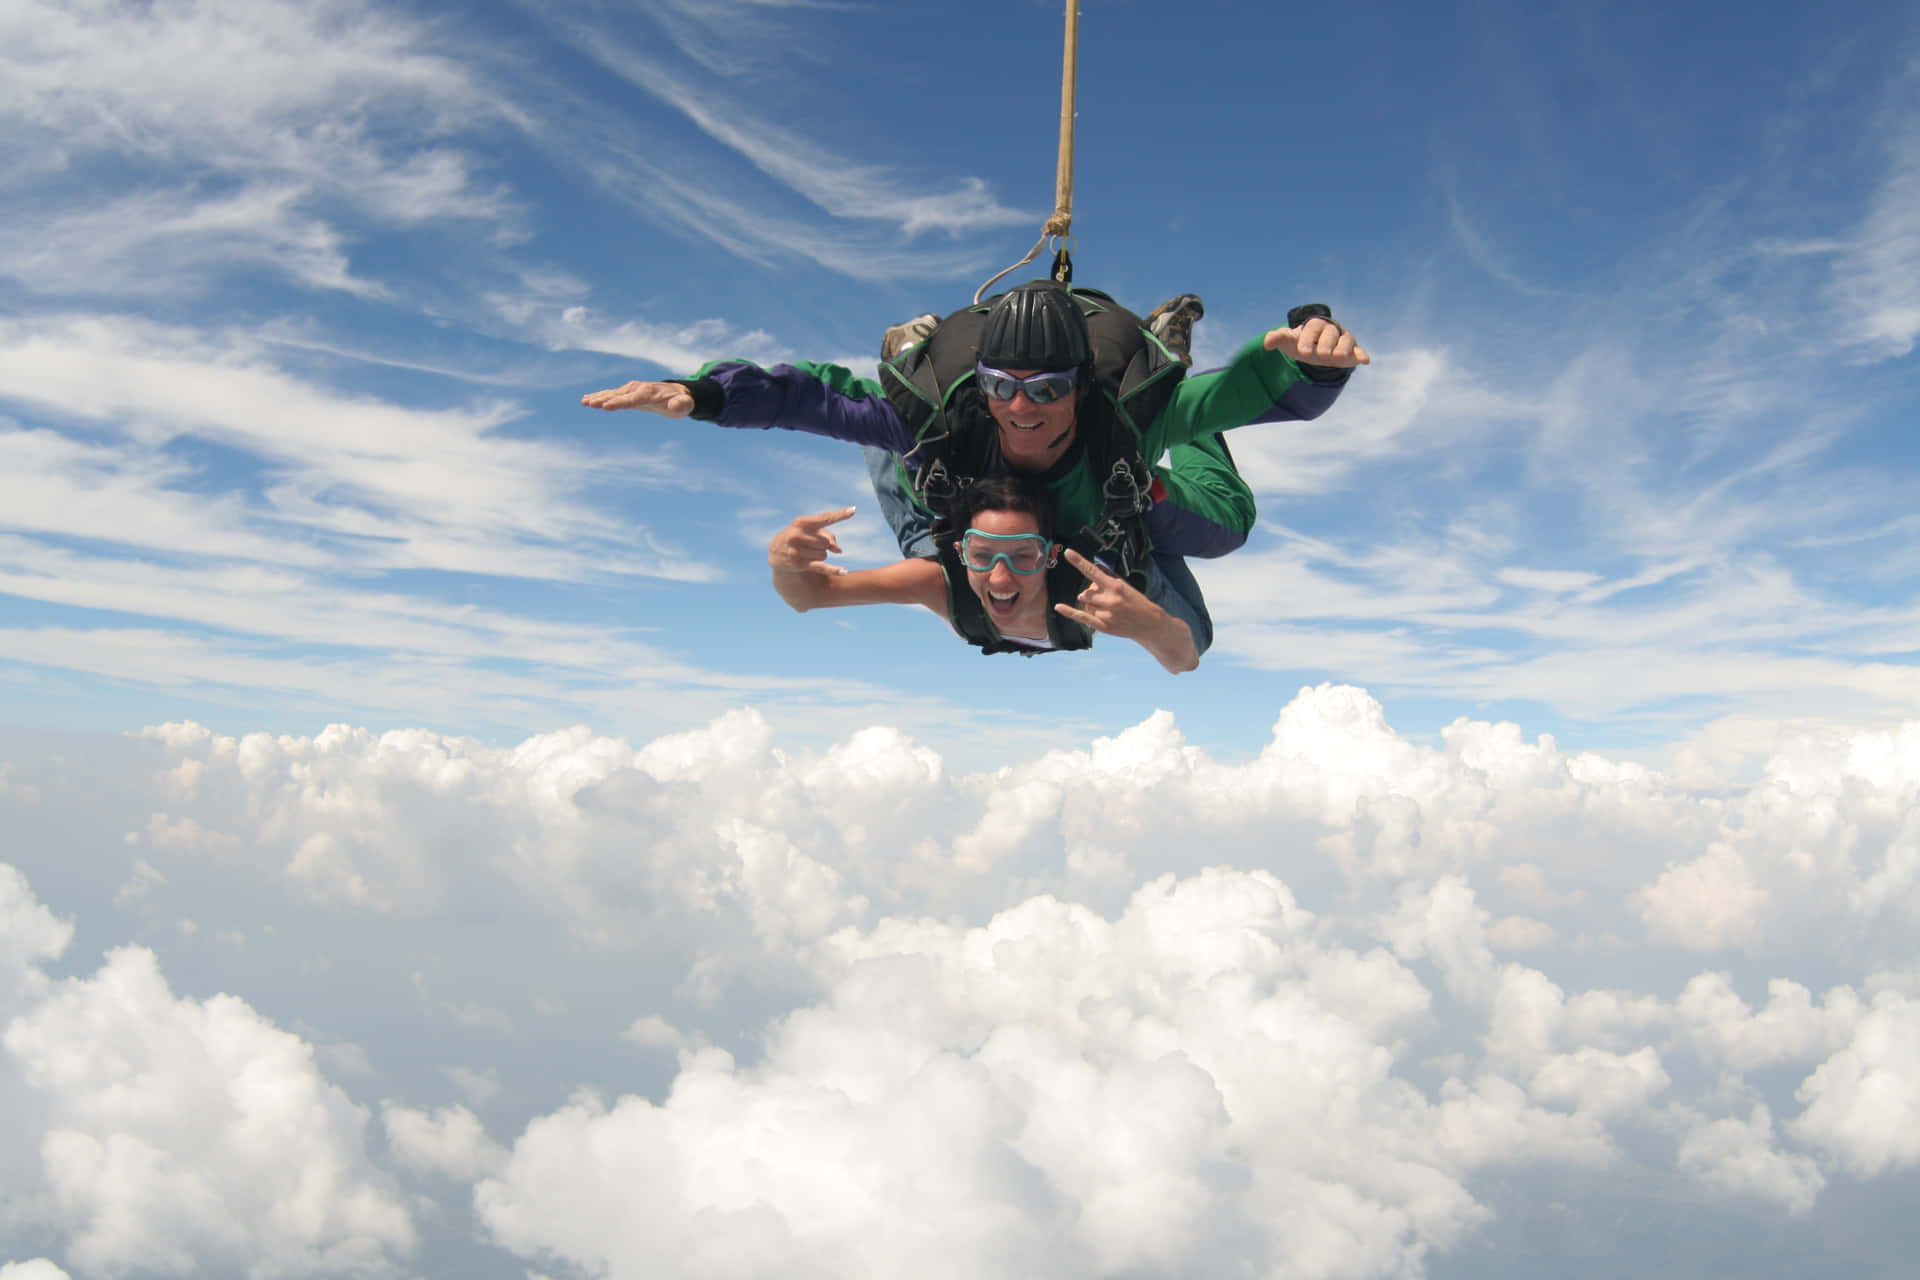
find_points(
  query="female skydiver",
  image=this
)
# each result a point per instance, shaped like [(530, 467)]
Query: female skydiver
[(992, 582)]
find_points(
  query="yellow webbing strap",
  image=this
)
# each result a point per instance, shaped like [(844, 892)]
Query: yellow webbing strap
[(1061, 223), (1058, 228)]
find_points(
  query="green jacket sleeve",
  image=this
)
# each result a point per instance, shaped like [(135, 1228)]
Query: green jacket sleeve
[(1257, 386)]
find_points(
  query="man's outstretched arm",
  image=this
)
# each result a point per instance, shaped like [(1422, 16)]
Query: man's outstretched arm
[(1290, 374), (820, 399)]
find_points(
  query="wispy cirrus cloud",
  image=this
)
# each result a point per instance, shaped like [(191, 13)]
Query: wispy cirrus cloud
[(677, 347), (310, 126), (1627, 504), (1663, 637), (1483, 254), (736, 37), (487, 672), (1411, 402), (426, 488), (1876, 277), (852, 217), (175, 241), (839, 185), (718, 209), (132, 77)]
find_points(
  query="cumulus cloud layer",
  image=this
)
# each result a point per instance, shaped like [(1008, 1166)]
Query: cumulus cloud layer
[(176, 1135), (1126, 1010)]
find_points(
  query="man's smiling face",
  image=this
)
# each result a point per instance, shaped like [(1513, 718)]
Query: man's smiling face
[(1034, 436)]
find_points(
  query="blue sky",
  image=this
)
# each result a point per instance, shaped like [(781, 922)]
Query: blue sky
[(297, 303), (298, 346)]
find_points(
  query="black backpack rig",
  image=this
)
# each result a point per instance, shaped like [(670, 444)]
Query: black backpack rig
[(931, 385)]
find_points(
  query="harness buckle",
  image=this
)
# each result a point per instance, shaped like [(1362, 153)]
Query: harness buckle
[(1124, 493), (937, 484), (1122, 533)]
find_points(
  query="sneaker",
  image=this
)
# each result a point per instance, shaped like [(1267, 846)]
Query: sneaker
[(1172, 322), (902, 336)]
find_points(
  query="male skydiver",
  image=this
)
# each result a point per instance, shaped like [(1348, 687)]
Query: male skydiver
[(1029, 387), (1027, 404)]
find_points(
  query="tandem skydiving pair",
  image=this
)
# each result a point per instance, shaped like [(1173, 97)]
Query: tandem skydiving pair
[(1015, 450)]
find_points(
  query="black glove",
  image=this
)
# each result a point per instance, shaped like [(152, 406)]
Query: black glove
[(1316, 372), (707, 397)]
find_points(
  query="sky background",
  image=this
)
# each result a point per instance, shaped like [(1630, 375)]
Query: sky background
[(427, 845)]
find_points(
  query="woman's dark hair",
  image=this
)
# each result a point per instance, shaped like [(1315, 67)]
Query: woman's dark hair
[(999, 493)]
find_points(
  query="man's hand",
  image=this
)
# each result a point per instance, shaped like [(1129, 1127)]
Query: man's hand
[(1321, 342), (803, 546), (668, 399), (1111, 606)]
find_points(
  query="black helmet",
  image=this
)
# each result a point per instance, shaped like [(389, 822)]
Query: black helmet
[(1037, 325)]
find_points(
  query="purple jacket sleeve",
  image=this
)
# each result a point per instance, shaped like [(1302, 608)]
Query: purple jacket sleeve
[(1303, 401), (820, 399)]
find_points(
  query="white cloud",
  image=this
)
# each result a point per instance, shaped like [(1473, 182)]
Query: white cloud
[(179, 1135), (1707, 904), (742, 225), (1518, 933), (1863, 1103), (36, 1269), (1490, 1122), (1737, 1156), (1374, 420), (1874, 273), (1791, 1028), (162, 242), (344, 1059), (133, 77), (1440, 615), (1102, 1096), (249, 163), (1149, 1006), (1485, 256), (839, 186), (655, 1032), (477, 1086), (143, 881), (447, 488), (449, 1141), (29, 935), (679, 349), (1608, 1084), (1526, 838)]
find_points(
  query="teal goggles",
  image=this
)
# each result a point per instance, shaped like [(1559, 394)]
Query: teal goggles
[(1023, 553)]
